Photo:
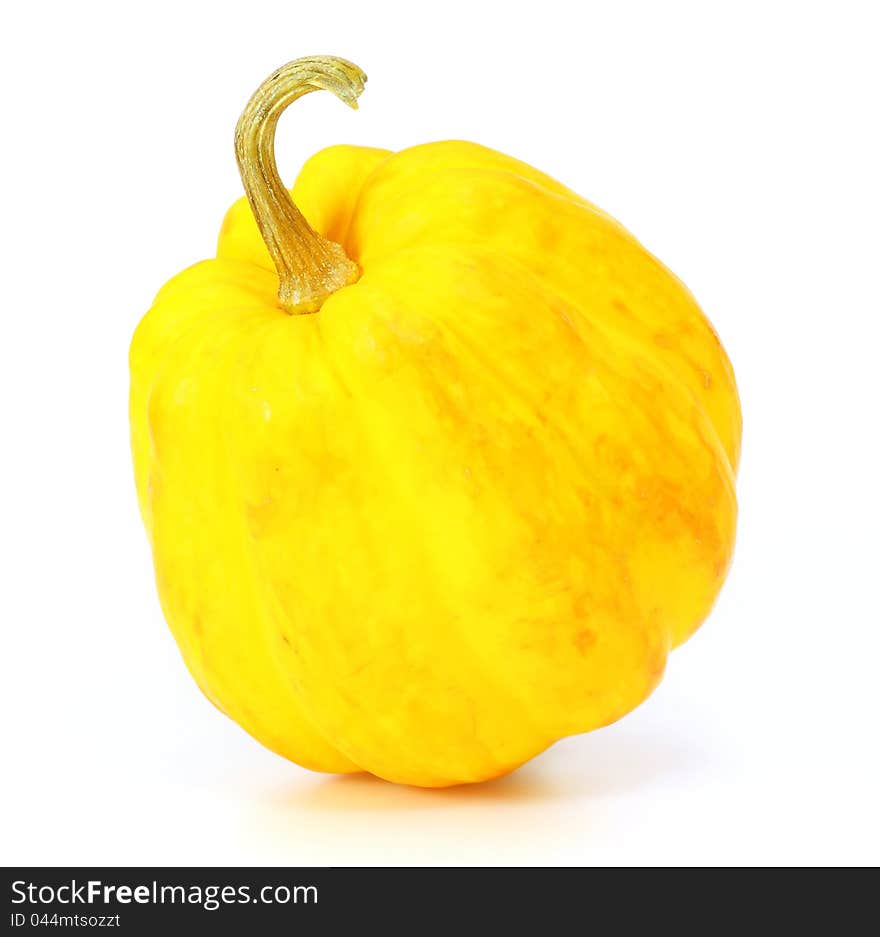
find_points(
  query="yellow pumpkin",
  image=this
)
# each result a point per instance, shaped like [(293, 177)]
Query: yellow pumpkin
[(436, 474)]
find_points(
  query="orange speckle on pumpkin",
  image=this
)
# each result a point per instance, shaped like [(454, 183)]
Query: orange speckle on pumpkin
[(584, 640)]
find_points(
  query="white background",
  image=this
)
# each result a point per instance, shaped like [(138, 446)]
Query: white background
[(737, 141)]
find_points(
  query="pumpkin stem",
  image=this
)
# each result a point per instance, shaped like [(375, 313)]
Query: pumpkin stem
[(310, 267)]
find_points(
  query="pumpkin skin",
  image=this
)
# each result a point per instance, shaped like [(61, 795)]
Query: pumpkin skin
[(463, 510)]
